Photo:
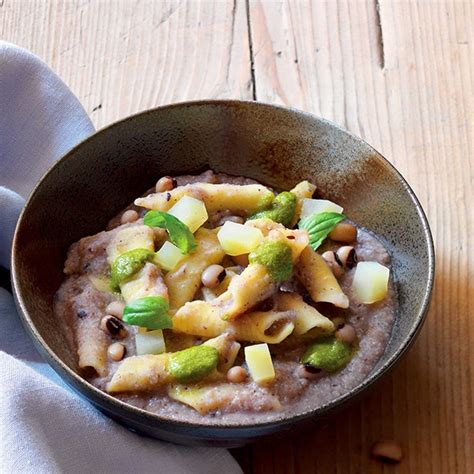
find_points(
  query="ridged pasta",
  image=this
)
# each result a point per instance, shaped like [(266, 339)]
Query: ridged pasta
[(92, 348), (254, 284), (140, 373), (146, 372), (200, 318), (224, 396), (318, 279), (307, 317), (245, 199), (246, 290)]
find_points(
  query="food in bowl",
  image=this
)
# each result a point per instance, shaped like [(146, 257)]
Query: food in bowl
[(214, 299)]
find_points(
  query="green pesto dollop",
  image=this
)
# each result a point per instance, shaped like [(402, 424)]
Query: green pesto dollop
[(127, 264), (193, 364), (276, 256), (329, 354), (281, 209)]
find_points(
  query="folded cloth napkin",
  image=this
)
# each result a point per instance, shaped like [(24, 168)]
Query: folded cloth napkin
[(44, 426)]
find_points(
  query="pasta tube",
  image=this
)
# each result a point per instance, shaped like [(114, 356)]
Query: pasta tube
[(318, 279), (92, 348), (245, 199), (146, 372), (224, 396), (307, 317), (246, 290), (200, 318), (140, 373)]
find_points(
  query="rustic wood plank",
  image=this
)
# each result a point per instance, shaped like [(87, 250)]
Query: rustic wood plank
[(402, 79), (120, 57)]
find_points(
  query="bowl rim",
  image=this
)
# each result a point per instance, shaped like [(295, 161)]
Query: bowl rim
[(87, 388)]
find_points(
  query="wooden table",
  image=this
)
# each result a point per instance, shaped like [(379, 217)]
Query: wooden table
[(397, 73)]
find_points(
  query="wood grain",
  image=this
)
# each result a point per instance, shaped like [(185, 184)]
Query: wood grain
[(400, 77), (120, 57), (399, 73)]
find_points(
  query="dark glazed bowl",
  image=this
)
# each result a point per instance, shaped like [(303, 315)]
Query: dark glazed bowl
[(275, 145)]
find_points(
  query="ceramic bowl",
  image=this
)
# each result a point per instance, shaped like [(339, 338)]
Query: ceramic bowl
[(275, 145)]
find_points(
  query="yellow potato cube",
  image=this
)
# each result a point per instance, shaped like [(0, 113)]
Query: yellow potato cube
[(190, 211), (238, 239), (316, 206), (259, 363), (150, 342), (370, 283), (169, 256)]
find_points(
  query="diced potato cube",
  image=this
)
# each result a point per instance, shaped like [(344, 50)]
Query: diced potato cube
[(150, 342), (316, 206), (190, 211), (259, 363), (370, 283), (169, 256), (238, 239)]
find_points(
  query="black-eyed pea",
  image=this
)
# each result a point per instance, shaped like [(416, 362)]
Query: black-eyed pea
[(344, 232), (347, 256), (129, 216), (116, 351), (166, 183), (346, 334), (113, 327), (236, 374), (212, 276)]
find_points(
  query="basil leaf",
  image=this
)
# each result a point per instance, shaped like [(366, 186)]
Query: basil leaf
[(179, 233), (127, 264), (319, 226), (149, 312)]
